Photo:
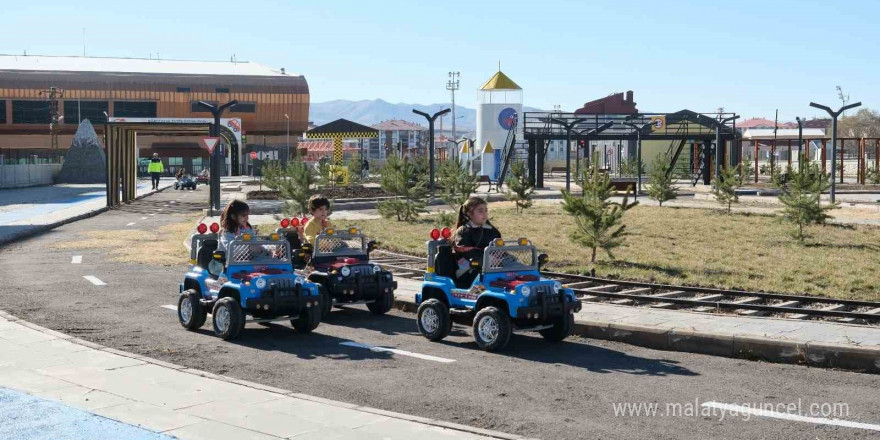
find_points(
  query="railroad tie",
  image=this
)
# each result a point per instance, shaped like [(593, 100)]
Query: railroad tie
[(665, 305), (708, 309), (628, 301), (829, 308), (853, 320)]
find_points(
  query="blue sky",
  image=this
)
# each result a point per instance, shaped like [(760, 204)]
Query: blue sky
[(746, 56)]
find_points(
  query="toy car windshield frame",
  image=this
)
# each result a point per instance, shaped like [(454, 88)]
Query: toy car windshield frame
[(510, 258), (326, 245), (257, 252)]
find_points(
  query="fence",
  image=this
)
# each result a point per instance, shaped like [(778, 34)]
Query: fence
[(15, 176)]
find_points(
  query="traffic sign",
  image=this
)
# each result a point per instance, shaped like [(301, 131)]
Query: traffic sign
[(253, 155), (209, 142)]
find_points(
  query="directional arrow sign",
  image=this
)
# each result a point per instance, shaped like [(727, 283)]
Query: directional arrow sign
[(209, 143)]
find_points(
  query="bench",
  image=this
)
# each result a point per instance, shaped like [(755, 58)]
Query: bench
[(557, 170), (485, 179)]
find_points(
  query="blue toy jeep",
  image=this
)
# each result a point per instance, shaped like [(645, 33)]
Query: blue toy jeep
[(502, 293), (254, 279), (340, 263)]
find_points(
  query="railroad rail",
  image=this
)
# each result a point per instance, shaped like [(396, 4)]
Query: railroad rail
[(666, 296)]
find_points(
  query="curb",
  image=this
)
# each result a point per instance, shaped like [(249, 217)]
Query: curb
[(270, 389), (39, 229), (750, 347)]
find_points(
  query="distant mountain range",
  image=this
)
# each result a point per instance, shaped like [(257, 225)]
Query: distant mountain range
[(372, 112)]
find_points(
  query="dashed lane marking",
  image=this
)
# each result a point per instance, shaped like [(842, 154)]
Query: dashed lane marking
[(396, 351), (143, 218), (130, 224), (737, 409), (94, 280), (76, 259)]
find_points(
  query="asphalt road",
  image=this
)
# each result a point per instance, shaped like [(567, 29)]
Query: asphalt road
[(552, 391)]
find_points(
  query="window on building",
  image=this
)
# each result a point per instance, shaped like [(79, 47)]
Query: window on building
[(175, 161), (244, 107), (30, 112), (134, 109), (91, 110), (2, 111), (183, 90), (222, 90), (196, 108)]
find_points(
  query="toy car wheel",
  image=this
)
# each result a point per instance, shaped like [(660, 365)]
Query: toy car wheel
[(308, 320), (561, 328), (228, 318), (326, 301), (492, 329), (190, 312), (433, 320), (382, 304)]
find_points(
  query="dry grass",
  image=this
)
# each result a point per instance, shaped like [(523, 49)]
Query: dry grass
[(688, 246), (162, 247)]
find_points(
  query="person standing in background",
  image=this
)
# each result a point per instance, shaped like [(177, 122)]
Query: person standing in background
[(155, 169)]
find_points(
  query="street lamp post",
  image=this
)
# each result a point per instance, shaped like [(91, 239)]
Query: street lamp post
[(638, 128), (215, 155), (568, 126), (288, 136), (800, 123), (834, 115), (431, 119)]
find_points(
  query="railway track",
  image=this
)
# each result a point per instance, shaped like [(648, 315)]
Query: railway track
[(699, 299)]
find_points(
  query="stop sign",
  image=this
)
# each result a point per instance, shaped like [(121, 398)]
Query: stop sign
[(253, 155)]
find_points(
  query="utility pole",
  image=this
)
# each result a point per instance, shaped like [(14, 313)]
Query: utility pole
[(452, 85), (53, 95)]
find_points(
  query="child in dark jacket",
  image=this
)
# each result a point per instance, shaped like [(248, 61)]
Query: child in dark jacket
[(473, 233)]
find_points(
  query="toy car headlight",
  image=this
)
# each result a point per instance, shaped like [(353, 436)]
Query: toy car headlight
[(525, 291), (377, 268), (261, 283), (345, 271), (556, 287)]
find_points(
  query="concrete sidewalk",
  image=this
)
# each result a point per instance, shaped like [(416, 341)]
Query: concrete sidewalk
[(185, 403), (52, 206), (816, 343)]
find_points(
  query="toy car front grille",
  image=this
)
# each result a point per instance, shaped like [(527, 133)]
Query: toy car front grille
[(361, 270), (546, 292), (284, 287)]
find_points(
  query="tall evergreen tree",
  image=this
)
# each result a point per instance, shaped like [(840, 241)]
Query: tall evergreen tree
[(293, 181), (801, 196)]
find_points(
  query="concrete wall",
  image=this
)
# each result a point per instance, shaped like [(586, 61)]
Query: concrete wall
[(14, 176)]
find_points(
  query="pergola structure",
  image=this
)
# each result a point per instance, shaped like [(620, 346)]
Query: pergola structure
[(338, 130), (120, 143), (702, 129)]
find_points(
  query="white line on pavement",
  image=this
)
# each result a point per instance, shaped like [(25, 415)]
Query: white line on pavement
[(794, 417), (143, 218), (76, 259), (173, 307), (154, 213), (400, 352), (94, 280), (130, 224)]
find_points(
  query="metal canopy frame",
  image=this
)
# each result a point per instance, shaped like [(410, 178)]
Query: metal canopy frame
[(684, 124), (122, 154)]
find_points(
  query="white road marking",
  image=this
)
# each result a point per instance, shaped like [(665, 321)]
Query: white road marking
[(154, 213), (143, 218), (94, 280), (400, 352), (173, 307), (76, 259), (794, 417), (130, 224)]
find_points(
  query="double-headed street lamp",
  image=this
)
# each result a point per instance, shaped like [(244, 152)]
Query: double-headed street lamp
[(834, 115), (431, 119), (215, 155)]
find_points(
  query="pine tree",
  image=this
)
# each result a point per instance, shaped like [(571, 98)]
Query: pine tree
[(294, 183), (661, 188), (519, 189), (725, 186), (801, 197), (597, 218), (743, 172), (399, 178), (457, 183)]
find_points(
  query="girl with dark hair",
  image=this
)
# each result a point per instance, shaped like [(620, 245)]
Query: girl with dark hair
[(234, 222), (473, 233)]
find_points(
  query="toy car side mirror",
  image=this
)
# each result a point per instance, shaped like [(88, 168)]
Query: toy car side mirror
[(219, 256), (476, 264), (307, 248), (371, 245), (542, 260)]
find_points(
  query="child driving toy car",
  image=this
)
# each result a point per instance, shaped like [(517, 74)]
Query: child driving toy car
[(473, 233)]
